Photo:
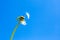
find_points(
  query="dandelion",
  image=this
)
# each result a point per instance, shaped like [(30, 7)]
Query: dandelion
[(21, 20)]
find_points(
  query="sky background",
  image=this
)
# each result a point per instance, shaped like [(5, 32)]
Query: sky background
[(44, 22)]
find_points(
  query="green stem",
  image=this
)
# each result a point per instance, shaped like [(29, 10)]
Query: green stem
[(11, 38)]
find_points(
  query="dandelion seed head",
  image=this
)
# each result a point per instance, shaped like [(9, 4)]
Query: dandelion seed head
[(21, 19)]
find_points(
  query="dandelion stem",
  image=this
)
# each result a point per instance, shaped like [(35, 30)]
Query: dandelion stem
[(11, 38)]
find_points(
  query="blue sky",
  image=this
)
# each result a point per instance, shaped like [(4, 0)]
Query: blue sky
[(44, 22)]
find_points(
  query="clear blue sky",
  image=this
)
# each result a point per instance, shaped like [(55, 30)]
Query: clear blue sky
[(44, 23)]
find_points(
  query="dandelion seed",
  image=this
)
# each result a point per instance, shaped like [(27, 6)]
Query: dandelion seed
[(28, 15), (23, 22)]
